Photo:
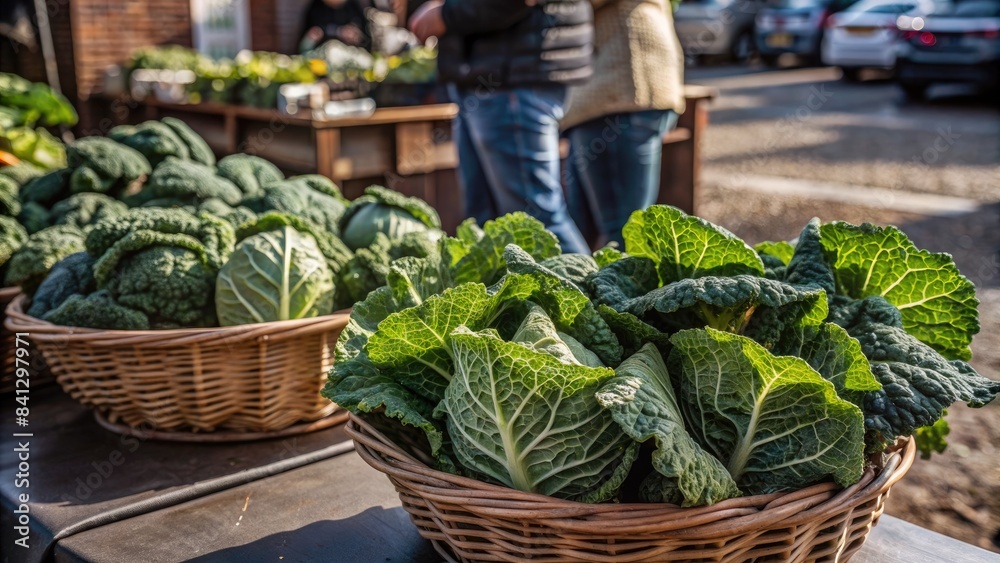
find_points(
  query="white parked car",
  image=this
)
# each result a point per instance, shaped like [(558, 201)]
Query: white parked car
[(865, 35)]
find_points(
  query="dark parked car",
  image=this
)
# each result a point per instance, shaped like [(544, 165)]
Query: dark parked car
[(959, 43), (794, 26)]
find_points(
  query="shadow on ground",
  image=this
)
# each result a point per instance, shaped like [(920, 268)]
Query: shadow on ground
[(348, 540)]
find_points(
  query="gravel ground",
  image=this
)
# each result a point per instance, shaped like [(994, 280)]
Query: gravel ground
[(956, 493)]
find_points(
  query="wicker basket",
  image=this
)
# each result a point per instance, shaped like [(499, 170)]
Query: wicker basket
[(7, 294), (253, 378), (469, 520)]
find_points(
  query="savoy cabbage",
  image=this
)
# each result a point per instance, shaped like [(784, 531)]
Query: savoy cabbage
[(742, 370)]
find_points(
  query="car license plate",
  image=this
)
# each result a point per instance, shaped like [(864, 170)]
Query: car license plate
[(860, 30), (779, 40)]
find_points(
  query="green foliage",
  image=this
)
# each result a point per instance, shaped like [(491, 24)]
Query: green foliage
[(34, 217), (482, 260), (235, 216), (573, 268), (775, 257), (37, 147), (97, 310), (356, 384), (783, 371), (10, 206), (917, 382), (263, 72), (781, 250), (32, 262), (685, 247), (12, 238), (298, 196), (774, 421), (275, 275), (336, 253), (249, 173), (641, 400), (516, 417), (21, 173), (198, 149), (168, 277), (216, 235), (154, 139), (186, 182), (73, 275), (86, 209), (385, 211), (605, 256), (35, 102), (835, 355), (163, 263), (104, 166), (931, 439), (47, 188), (938, 304), (913, 314), (364, 271)]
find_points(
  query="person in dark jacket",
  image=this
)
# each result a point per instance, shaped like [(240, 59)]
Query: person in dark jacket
[(343, 20), (508, 65)]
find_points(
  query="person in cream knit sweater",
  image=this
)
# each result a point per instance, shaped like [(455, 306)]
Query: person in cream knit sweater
[(616, 120)]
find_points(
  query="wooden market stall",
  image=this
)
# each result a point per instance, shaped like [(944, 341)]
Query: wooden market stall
[(409, 149)]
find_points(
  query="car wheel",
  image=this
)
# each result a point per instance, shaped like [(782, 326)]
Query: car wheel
[(742, 47), (769, 60), (851, 74), (914, 91)]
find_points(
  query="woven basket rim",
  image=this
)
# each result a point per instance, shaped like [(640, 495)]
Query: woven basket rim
[(733, 516), (20, 321)]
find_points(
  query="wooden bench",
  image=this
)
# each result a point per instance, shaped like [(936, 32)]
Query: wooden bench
[(680, 168)]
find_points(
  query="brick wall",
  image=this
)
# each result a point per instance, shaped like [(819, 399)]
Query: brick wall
[(91, 35), (289, 24), (262, 17), (105, 32), (275, 24)]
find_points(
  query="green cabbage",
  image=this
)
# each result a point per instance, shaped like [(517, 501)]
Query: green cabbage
[(276, 275), (384, 211)]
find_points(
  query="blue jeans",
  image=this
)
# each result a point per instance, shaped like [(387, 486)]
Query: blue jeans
[(614, 169), (508, 156)]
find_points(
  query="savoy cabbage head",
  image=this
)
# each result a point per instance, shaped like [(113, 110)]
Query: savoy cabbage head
[(381, 210), (276, 275)]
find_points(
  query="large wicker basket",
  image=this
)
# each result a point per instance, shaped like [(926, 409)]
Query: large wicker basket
[(250, 378), (470, 520)]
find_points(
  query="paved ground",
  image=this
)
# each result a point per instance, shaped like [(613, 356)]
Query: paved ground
[(805, 123), (784, 146)]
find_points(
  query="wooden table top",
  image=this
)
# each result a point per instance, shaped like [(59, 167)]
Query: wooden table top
[(318, 502)]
